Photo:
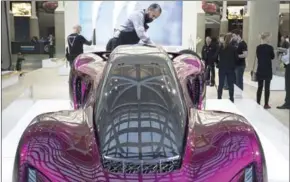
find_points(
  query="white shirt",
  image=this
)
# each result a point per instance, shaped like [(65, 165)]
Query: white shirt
[(50, 41), (286, 58), (135, 22)]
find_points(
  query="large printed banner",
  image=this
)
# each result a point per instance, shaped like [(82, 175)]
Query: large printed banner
[(104, 16)]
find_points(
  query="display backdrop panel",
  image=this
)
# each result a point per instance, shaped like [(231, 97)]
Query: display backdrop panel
[(104, 16)]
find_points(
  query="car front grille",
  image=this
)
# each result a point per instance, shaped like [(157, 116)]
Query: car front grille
[(141, 167)]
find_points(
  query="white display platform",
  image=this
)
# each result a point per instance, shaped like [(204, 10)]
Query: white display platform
[(51, 63), (277, 83), (10, 116), (5, 72), (9, 80), (64, 70), (277, 163)]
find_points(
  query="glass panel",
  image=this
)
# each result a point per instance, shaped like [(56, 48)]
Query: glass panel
[(140, 108)]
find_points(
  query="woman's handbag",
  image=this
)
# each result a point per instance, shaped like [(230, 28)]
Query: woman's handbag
[(253, 72)]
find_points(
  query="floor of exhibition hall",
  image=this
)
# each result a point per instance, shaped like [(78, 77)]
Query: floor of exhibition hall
[(43, 90)]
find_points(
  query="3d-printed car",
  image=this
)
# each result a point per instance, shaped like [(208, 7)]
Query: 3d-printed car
[(139, 116)]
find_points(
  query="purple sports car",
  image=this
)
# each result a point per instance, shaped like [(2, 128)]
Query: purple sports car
[(139, 116)]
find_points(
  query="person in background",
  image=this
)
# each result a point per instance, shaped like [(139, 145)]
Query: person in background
[(20, 59), (283, 43), (34, 39), (242, 49), (42, 39), (75, 44), (228, 57), (265, 54), (208, 55), (221, 42), (286, 60), (51, 45), (216, 44), (287, 39)]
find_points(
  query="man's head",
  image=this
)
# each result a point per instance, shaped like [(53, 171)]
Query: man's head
[(77, 29), (265, 37), (208, 40), (152, 13), (237, 35)]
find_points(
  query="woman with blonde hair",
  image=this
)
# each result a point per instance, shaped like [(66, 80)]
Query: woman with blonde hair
[(265, 54), (228, 58)]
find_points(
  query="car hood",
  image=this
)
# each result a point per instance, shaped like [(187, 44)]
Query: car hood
[(63, 148)]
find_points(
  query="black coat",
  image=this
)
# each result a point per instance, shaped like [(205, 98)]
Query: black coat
[(209, 53), (228, 58), (265, 55)]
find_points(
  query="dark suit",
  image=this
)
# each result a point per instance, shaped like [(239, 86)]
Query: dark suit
[(265, 55), (228, 58), (209, 55)]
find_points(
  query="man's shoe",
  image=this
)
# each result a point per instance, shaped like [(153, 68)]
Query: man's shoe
[(212, 84), (267, 107), (284, 106), (226, 88)]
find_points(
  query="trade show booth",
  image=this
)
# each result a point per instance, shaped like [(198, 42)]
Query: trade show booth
[(181, 26)]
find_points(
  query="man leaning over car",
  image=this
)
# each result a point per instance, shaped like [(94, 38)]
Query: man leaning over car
[(134, 28)]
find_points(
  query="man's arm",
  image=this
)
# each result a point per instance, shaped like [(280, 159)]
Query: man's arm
[(85, 41), (245, 51), (137, 19), (286, 58), (216, 53)]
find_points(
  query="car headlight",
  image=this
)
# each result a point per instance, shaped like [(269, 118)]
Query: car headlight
[(34, 176), (246, 175)]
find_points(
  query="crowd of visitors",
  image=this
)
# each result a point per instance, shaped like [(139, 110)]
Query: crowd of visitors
[(229, 54)]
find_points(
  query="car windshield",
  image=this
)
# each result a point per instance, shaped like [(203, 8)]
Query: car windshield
[(140, 114)]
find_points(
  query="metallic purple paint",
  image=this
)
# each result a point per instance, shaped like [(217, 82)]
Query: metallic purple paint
[(63, 149), (63, 146), (188, 66)]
